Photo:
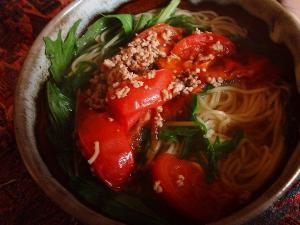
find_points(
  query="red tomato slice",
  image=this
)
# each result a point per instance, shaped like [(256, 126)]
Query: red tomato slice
[(128, 121), (204, 44), (197, 51), (115, 162), (258, 68), (166, 44), (183, 186), (177, 108), (142, 98)]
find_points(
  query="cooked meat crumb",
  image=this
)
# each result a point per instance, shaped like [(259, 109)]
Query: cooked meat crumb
[(150, 75), (138, 56), (137, 83), (122, 92), (157, 187), (159, 109), (180, 180), (96, 93), (205, 57), (217, 46), (166, 95), (158, 120), (215, 82), (197, 31)]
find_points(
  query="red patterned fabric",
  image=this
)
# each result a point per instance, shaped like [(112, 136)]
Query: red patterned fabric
[(21, 201)]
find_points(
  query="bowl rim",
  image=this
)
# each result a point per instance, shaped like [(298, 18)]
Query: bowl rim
[(66, 200)]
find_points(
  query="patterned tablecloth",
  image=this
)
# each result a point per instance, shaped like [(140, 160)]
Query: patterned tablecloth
[(21, 200)]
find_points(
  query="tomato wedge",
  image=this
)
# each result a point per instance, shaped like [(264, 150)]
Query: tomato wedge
[(203, 43), (139, 99), (181, 183), (177, 108), (166, 41), (258, 68), (197, 51), (114, 163)]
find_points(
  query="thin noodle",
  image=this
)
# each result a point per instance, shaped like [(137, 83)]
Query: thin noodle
[(258, 111)]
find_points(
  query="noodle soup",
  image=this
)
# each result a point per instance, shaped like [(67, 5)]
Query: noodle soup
[(167, 112)]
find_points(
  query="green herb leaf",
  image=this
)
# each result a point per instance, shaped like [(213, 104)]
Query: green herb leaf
[(165, 13), (187, 147), (115, 205), (60, 53), (216, 151), (79, 79), (60, 106), (183, 21), (172, 134), (141, 23), (88, 38), (126, 21), (195, 107), (212, 152), (224, 148)]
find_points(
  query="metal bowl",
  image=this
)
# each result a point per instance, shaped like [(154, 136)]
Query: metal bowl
[(283, 28)]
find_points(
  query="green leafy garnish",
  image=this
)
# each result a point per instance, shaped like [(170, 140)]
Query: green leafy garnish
[(173, 134), (60, 106), (183, 21), (214, 152), (165, 13), (126, 21), (80, 78), (196, 109), (100, 25), (142, 22), (120, 206), (60, 53)]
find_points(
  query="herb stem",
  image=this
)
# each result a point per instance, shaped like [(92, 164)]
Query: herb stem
[(181, 124)]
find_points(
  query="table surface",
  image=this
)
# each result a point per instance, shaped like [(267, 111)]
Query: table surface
[(21, 200)]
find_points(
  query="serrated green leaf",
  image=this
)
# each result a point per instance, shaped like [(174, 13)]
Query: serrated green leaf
[(60, 106), (60, 53)]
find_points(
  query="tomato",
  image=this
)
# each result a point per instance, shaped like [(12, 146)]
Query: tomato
[(258, 68), (178, 108), (203, 44), (161, 29), (183, 186), (129, 120), (139, 99), (115, 162), (197, 51)]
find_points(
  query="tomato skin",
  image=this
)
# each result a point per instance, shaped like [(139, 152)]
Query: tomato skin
[(178, 108), (160, 28), (185, 53), (140, 99), (202, 43), (255, 68), (194, 198), (128, 121), (115, 161)]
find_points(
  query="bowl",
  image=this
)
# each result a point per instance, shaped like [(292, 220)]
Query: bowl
[(283, 28)]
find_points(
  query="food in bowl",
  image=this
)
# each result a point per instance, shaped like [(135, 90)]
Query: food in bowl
[(169, 110)]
